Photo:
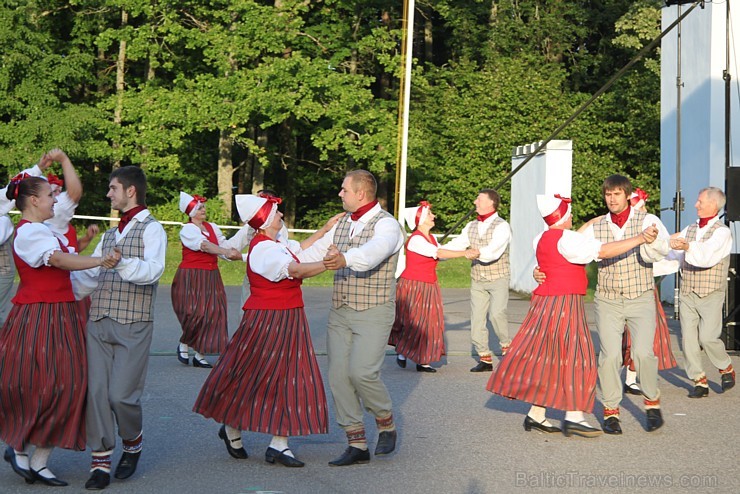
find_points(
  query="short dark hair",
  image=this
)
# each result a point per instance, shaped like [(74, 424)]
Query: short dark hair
[(493, 195), (132, 175), (613, 182), (21, 191), (363, 179)]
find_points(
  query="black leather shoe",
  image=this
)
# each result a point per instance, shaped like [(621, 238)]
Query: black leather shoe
[(50, 481), (425, 368), (386, 443), (654, 419), (238, 453), (98, 480), (699, 392), (9, 456), (632, 389), (530, 423), (482, 367), (351, 456), (612, 426), (401, 362), (579, 429), (182, 357), (203, 364), (272, 455), (728, 381), (127, 465)]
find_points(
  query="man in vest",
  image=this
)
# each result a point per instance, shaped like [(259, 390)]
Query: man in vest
[(119, 331), (624, 295), (706, 247), (488, 236), (363, 250)]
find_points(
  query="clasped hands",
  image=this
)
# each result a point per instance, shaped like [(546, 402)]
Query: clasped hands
[(334, 259), (650, 234), (111, 259)]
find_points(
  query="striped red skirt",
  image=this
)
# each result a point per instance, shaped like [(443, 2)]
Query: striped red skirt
[(418, 330), (267, 380), (661, 344), (43, 377), (199, 300), (551, 361)]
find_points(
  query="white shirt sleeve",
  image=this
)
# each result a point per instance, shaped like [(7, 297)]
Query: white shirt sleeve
[(387, 240), (64, 210), (191, 236), (712, 251), (146, 270), (460, 242), (578, 248), (498, 244), (422, 246), (270, 260), (240, 240), (35, 243), (84, 282), (318, 249), (661, 246), (6, 229)]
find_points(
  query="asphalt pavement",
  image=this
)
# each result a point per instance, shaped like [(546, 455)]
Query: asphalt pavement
[(454, 436)]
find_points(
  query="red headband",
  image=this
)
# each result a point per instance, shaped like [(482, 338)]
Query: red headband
[(420, 209), (17, 180), (54, 180), (259, 219), (560, 212), (194, 203), (637, 196)]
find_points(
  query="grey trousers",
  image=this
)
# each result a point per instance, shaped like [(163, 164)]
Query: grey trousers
[(356, 342), (246, 290), (701, 327), (6, 293), (489, 299), (117, 358), (639, 316)]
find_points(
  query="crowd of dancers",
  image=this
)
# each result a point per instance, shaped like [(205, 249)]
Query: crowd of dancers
[(75, 345)]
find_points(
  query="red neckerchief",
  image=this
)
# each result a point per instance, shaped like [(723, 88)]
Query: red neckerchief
[(703, 221), (362, 210), (484, 217), (620, 219), (128, 215)]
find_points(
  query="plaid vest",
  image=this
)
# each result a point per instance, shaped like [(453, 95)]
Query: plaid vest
[(487, 271), (367, 289), (115, 298), (626, 275), (704, 281), (6, 258)]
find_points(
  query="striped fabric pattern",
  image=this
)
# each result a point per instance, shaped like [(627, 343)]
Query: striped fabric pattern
[(418, 330), (490, 271), (661, 343), (551, 361), (704, 281), (363, 290), (43, 377), (6, 259), (625, 275), (267, 380), (199, 300)]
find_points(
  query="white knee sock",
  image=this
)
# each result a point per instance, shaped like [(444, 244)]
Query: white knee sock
[(39, 460), (233, 434), (537, 414), (280, 443), (21, 457), (630, 378), (183, 348), (574, 416)]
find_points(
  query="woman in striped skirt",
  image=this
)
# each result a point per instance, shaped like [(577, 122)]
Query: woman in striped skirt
[(43, 364), (418, 330), (551, 361), (267, 380), (198, 294)]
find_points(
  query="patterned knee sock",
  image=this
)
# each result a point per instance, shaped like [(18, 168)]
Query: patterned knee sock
[(728, 370), (486, 359), (611, 412), (133, 445), (101, 460), (702, 381), (385, 424), (356, 437), (652, 403)]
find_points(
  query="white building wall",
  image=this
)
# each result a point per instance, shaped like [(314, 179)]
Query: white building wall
[(550, 172)]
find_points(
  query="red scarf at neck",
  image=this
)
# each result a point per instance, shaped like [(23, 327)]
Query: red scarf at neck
[(703, 221), (362, 210), (484, 217), (620, 219), (128, 215)]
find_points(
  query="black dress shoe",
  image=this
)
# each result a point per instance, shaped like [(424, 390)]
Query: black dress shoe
[(401, 362), (238, 453), (50, 481), (425, 368), (482, 367), (654, 419), (699, 392), (530, 423), (632, 389), (272, 455), (386, 443), (351, 456), (612, 426), (127, 465), (728, 381), (182, 357), (579, 429), (9, 456), (203, 364), (98, 480)]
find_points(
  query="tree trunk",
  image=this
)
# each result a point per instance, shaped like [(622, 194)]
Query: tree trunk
[(428, 39), (225, 169), (120, 88)]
